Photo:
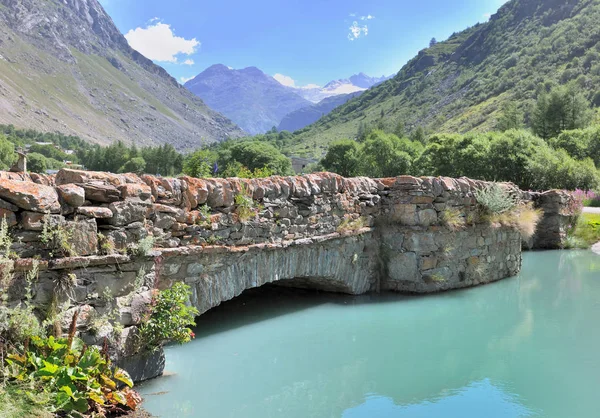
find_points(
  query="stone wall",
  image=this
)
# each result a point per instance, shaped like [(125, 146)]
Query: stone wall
[(223, 236)]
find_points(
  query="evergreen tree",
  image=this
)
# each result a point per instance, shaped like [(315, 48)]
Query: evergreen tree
[(564, 108), (419, 135), (511, 118), (400, 130)]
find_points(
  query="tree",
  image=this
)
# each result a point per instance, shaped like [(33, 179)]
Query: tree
[(432, 42), (382, 156), (36, 162), (419, 135), (199, 164), (7, 153), (342, 158), (400, 130), (135, 165), (564, 108), (256, 155), (510, 118)]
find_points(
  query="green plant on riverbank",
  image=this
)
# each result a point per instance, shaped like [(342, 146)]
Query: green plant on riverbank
[(170, 317), (64, 376), (585, 232)]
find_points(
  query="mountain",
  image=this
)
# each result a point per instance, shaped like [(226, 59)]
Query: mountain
[(461, 84), (64, 66), (307, 115), (251, 98), (357, 82)]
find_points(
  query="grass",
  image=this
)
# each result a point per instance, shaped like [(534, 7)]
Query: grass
[(523, 217), (453, 219), (586, 232), (351, 225), (15, 404)]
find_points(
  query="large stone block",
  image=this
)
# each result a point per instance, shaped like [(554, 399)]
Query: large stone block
[(71, 194), (403, 267), (103, 193), (405, 214), (127, 212), (30, 196), (84, 238)]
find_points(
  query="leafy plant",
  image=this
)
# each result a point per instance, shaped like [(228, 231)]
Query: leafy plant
[(57, 237), (78, 379), (204, 218), (494, 199), (169, 317)]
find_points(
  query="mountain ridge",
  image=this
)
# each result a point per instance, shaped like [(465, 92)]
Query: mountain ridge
[(254, 100), (460, 85), (66, 67)]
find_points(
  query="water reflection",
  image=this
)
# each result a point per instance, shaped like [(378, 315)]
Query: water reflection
[(482, 399), (519, 347)]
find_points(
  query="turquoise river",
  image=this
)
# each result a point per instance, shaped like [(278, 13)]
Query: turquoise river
[(527, 346)]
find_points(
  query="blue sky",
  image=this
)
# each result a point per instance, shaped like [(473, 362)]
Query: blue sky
[(309, 41)]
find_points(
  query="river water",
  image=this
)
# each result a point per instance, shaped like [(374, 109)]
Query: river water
[(527, 346)]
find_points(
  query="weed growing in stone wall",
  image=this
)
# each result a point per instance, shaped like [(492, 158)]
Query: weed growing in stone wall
[(19, 324), (351, 225), (143, 247), (57, 237), (106, 245), (5, 239), (204, 218), (169, 318), (244, 204), (493, 199), (452, 219), (437, 278)]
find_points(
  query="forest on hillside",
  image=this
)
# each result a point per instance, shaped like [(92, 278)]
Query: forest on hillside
[(560, 150)]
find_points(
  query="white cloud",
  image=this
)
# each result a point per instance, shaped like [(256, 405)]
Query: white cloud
[(487, 15), (356, 31), (367, 17), (159, 43), (188, 62), (290, 82), (185, 79), (352, 15), (285, 80)]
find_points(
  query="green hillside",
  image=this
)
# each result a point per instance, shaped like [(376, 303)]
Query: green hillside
[(461, 84)]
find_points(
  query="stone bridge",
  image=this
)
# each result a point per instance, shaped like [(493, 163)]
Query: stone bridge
[(129, 234)]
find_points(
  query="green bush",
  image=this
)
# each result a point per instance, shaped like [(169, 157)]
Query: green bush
[(170, 317), (494, 199)]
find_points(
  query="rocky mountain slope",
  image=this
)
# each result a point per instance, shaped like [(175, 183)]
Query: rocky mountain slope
[(64, 66), (307, 115), (461, 84), (251, 98)]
